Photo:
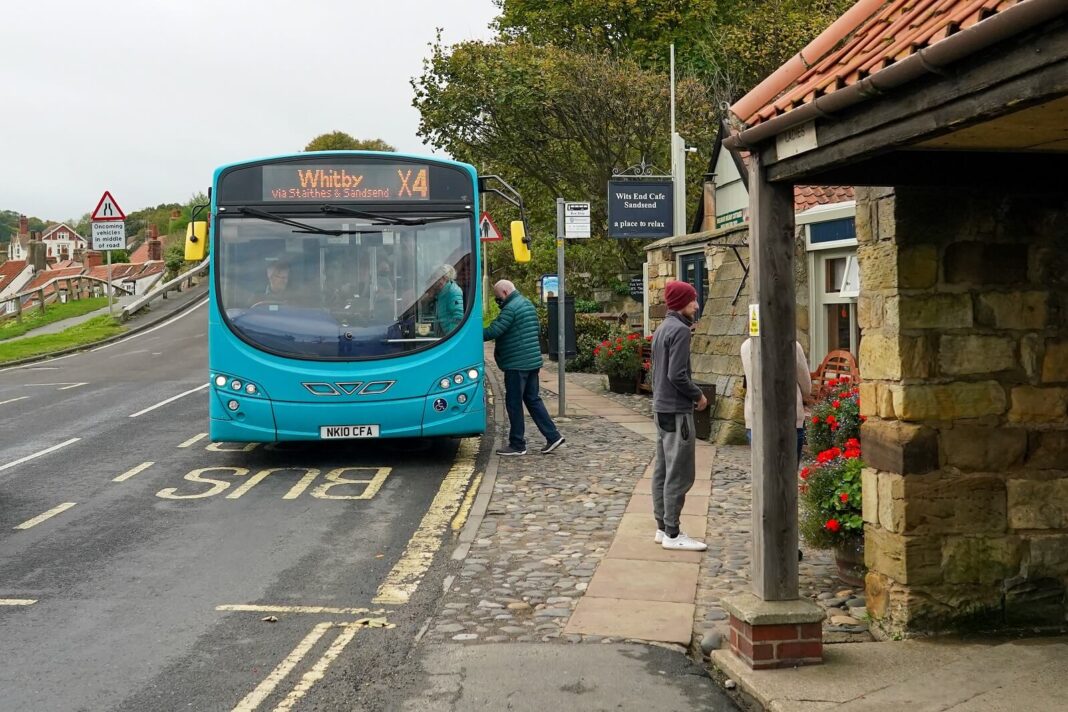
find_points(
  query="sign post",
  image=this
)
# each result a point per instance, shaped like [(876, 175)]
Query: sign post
[(572, 222), (109, 233), (488, 232)]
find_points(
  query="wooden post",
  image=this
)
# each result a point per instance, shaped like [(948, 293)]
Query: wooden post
[(42, 296), (774, 452), (18, 309)]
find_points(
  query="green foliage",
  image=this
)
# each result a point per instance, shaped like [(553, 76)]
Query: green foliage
[(341, 141), (639, 30), (830, 493), (589, 333), (119, 256), (586, 306), (621, 356), (174, 259), (492, 310), (33, 318), (96, 329), (830, 490), (835, 418), (556, 122)]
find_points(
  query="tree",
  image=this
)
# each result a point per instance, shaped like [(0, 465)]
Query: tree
[(556, 122), (341, 141), (641, 31)]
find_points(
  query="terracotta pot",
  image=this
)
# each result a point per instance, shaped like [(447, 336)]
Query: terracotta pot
[(849, 556)]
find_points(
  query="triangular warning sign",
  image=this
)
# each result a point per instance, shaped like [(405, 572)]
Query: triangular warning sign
[(108, 209), (487, 230)]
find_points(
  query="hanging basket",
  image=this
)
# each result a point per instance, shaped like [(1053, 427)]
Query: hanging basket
[(849, 557)]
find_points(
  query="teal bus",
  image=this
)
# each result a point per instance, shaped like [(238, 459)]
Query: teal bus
[(345, 297)]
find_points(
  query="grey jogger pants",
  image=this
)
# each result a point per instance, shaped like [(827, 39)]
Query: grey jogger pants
[(673, 472)]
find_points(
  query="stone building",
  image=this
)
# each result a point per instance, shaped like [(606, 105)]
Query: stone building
[(715, 260), (963, 304)]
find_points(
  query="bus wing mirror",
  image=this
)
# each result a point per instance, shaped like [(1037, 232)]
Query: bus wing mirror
[(520, 242), (196, 241)]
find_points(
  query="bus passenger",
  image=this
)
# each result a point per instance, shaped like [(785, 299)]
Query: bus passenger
[(448, 299)]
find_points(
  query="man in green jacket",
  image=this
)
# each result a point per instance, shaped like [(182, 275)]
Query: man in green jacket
[(517, 354)]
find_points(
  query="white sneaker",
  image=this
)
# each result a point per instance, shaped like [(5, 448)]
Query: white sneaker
[(659, 538), (683, 543)]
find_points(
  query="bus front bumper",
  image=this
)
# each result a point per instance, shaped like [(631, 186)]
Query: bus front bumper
[(262, 420)]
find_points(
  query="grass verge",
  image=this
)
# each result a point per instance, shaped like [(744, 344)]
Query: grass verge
[(32, 318), (96, 329)]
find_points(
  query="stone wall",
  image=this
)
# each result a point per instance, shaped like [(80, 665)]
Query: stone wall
[(716, 346), (964, 316)]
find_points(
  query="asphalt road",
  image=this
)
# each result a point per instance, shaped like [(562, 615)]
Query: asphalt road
[(128, 573)]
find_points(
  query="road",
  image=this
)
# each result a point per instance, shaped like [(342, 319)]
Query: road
[(132, 578)]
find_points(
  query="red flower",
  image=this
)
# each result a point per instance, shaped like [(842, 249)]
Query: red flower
[(864, 419), (836, 404), (604, 343), (597, 351), (833, 383), (832, 525), (631, 337), (851, 454), (844, 496), (619, 348), (805, 472), (815, 420), (852, 443), (649, 338), (831, 419)]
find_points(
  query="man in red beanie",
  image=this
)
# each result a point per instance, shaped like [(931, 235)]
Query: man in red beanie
[(674, 396)]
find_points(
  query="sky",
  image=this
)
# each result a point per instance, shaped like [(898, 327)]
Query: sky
[(145, 98)]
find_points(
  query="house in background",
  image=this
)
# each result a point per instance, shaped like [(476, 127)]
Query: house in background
[(62, 241), (714, 258)]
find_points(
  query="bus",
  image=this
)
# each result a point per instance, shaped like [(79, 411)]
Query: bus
[(345, 297)]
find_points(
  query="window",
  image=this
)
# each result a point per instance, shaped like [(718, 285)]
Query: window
[(833, 278), (692, 270)]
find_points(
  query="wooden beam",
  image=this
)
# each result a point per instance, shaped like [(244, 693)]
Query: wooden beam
[(1034, 171), (774, 387), (998, 84)]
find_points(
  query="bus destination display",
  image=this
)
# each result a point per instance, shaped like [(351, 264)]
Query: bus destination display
[(316, 182)]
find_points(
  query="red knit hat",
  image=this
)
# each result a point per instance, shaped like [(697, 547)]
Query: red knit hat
[(678, 295)]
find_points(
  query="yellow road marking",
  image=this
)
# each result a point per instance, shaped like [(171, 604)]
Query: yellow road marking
[(404, 578), (217, 486), (241, 447), (461, 517), (292, 609), (194, 439), (265, 688), (17, 601), (334, 479), (130, 473), (47, 515), (319, 669)]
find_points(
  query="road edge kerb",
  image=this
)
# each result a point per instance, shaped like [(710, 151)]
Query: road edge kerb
[(485, 489), (111, 339)]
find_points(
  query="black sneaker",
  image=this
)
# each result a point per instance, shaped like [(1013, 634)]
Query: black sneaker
[(553, 445), (509, 451)]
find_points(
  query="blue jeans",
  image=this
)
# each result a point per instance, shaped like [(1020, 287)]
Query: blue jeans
[(800, 442), (521, 387)]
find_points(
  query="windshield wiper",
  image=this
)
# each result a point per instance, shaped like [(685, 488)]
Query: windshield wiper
[(301, 227), (382, 219)]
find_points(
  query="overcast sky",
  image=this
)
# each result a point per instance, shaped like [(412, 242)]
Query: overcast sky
[(145, 98)]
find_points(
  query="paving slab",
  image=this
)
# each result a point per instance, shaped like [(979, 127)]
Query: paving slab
[(644, 525), (640, 546), (645, 580), (642, 620)]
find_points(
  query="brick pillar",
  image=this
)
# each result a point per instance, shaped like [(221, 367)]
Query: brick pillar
[(964, 360), (775, 634)]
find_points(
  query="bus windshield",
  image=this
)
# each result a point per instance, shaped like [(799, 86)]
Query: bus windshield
[(342, 287)]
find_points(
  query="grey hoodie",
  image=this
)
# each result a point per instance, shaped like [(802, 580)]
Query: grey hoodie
[(673, 388)]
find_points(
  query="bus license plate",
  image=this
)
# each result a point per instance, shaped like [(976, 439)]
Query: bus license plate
[(330, 432)]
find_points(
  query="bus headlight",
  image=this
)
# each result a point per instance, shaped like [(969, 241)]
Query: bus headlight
[(235, 384), (233, 405), (473, 374), (220, 381), (444, 383), (458, 378), (250, 388), (462, 398)]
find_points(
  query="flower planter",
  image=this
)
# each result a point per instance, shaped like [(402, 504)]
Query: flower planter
[(849, 556), (618, 384)]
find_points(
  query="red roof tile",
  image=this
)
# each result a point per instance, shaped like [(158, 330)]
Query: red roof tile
[(809, 196), (894, 31), (9, 271)]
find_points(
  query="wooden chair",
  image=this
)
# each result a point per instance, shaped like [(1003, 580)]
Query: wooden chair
[(837, 365)]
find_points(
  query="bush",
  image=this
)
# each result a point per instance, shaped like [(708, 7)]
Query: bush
[(620, 357), (492, 310), (589, 333), (830, 490), (586, 306)]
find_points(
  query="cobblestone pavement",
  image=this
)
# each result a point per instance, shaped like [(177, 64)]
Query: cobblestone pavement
[(550, 521), (552, 518)]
